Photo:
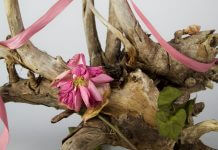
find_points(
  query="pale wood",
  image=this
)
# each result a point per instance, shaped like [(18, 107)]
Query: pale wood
[(113, 44), (142, 66), (93, 43)]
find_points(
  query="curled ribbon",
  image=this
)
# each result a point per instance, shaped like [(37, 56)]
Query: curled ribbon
[(187, 61), (19, 40)]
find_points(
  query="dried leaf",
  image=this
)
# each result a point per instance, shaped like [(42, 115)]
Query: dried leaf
[(94, 111), (192, 29)]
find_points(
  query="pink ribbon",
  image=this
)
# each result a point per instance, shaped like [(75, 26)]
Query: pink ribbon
[(188, 62), (19, 40), (4, 137)]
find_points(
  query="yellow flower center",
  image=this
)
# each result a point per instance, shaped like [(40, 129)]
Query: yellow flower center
[(79, 81)]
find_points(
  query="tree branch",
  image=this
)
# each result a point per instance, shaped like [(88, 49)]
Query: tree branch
[(14, 17), (129, 48), (113, 44), (28, 55), (13, 76), (4, 52), (153, 58), (193, 133), (64, 114), (92, 134), (22, 92), (198, 145), (93, 44)]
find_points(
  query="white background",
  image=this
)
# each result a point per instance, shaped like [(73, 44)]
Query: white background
[(30, 126)]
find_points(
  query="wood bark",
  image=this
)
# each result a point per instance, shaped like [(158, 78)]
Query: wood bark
[(113, 44), (93, 44)]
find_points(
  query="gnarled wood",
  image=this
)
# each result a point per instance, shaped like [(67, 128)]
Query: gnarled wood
[(152, 57), (192, 134), (22, 92), (28, 55), (133, 104), (92, 134)]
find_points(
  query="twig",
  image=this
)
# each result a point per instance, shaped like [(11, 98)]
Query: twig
[(193, 133), (117, 131), (62, 115)]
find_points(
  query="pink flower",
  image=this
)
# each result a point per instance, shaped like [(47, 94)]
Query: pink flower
[(77, 86)]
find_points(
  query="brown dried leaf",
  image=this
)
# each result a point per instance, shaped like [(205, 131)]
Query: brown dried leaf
[(192, 29), (94, 111)]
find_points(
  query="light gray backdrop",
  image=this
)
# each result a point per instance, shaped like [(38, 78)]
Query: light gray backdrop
[(30, 126)]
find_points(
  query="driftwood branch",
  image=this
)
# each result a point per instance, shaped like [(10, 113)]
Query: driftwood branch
[(198, 145), (93, 44), (193, 133), (4, 52), (129, 48), (22, 92), (91, 135), (28, 55), (14, 16), (62, 115), (152, 57), (132, 104), (113, 44), (13, 76), (95, 132)]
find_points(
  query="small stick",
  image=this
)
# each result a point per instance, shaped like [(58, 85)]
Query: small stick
[(62, 115)]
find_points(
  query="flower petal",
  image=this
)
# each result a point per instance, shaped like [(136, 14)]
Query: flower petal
[(65, 85), (76, 71), (74, 61), (82, 56), (94, 91), (64, 75), (62, 97), (104, 89), (95, 71), (85, 95), (70, 99), (77, 101), (102, 78)]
